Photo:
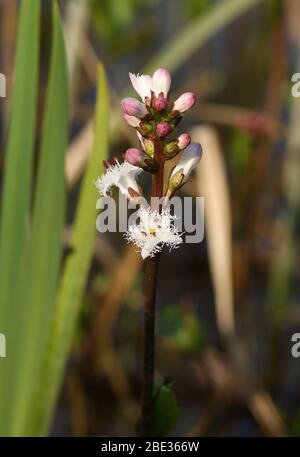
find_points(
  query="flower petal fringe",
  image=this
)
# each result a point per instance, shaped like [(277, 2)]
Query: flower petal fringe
[(154, 231)]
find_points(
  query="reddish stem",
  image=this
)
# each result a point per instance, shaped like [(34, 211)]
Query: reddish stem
[(149, 309), (158, 178)]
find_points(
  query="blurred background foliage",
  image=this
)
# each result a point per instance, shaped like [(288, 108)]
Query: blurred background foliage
[(227, 307)]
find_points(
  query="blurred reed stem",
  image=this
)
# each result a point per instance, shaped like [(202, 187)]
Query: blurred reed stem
[(284, 259), (212, 183), (77, 16)]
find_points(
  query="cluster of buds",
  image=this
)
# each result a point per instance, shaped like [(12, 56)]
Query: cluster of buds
[(154, 118)]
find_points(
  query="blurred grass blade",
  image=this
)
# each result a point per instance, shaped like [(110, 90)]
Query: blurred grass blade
[(77, 15), (75, 272), (284, 263), (42, 257), (181, 47), (17, 184), (212, 184)]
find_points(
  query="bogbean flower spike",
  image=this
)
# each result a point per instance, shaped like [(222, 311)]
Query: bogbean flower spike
[(154, 118)]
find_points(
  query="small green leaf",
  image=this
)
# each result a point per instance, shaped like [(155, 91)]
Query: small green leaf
[(165, 410)]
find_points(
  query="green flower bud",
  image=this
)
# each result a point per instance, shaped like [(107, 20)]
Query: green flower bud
[(171, 149), (145, 128), (175, 182)]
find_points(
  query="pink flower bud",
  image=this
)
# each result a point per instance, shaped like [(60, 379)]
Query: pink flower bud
[(133, 107), (184, 102), (163, 129), (139, 159), (161, 81), (132, 120), (183, 140), (160, 102), (134, 156)]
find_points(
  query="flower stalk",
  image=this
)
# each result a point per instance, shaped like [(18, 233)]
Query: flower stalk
[(154, 119), (149, 305), (149, 343)]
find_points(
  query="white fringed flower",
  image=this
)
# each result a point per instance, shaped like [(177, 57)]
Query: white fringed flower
[(122, 176), (154, 231)]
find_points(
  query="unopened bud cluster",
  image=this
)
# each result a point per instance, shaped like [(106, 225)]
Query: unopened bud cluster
[(155, 118)]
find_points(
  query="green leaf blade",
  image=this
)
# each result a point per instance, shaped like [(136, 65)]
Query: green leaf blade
[(198, 32), (17, 184), (75, 271), (42, 257)]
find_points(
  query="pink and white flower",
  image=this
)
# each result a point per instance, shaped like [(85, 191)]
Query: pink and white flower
[(184, 102), (142, 84), (133, 107), (191, 156), (136, 157), (188, 161), (132, 120), (183, 140), (160, 82), (154, 231)]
